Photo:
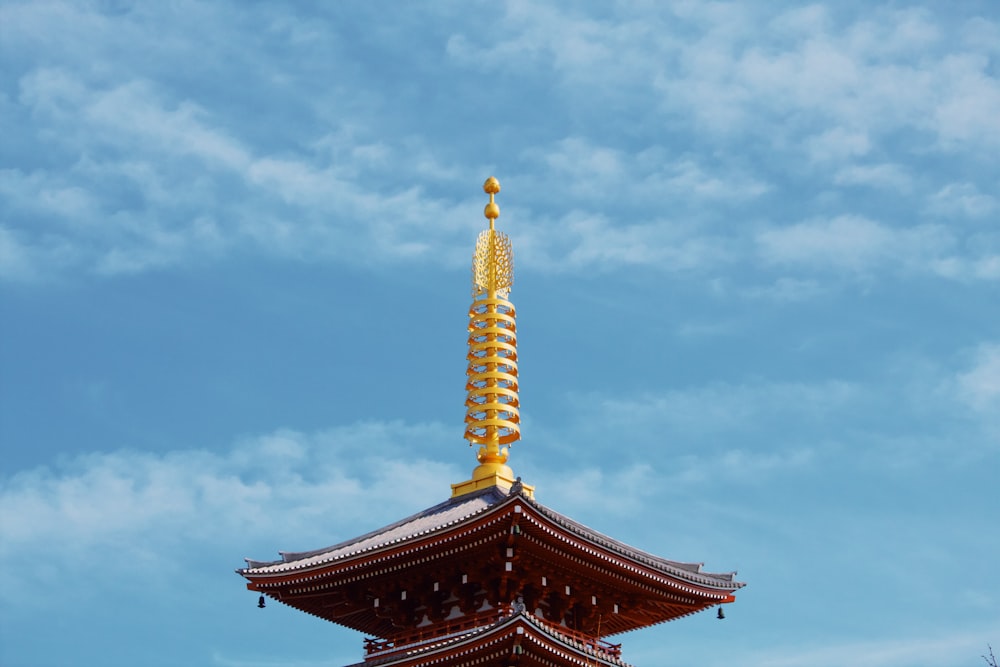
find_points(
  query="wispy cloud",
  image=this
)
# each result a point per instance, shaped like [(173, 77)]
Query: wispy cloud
[(147, 184), (857, 76), (144, 174), (788, 290), (725, 407), (874, 176), (772, 227), (227, 660), (964, 199), (979, 386), (858, 245), (133, 512), (915, 650)]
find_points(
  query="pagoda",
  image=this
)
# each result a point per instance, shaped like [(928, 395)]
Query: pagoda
[(489, 577)]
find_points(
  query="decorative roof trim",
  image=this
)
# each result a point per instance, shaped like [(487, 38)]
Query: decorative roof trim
[(520, 625), (498, 503)]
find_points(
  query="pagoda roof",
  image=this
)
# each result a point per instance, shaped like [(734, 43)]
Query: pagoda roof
[(538, 643), (443, 515), (456, 511)]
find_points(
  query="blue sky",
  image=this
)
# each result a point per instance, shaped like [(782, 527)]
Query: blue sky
[(757, 268)]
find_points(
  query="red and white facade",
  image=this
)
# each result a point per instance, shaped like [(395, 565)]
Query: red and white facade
[(489, 578)]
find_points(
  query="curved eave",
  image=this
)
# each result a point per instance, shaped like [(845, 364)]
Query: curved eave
[(546, 643), (601, 545), (475, 510), (429, 523)]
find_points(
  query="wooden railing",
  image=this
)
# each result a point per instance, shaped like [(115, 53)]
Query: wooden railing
[(462, 624), (436, 631), (588, 641)]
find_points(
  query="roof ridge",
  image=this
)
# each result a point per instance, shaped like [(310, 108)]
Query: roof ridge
[(292, 556), (599, 538)]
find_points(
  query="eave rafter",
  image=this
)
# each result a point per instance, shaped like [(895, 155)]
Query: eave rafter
[(485, 561), (392, 590), (602, 559), (515, 640)]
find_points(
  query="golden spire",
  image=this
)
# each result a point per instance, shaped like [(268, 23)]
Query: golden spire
[(492, 418)]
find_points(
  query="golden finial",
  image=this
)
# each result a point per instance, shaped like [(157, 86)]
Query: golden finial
[(492, 211), (493, 261), (492, 417)]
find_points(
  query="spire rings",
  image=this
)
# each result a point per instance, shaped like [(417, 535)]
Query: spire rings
[(492, 405)]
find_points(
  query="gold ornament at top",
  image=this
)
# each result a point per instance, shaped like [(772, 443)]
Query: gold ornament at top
[(493, 261), (492, 211), (492, 416)]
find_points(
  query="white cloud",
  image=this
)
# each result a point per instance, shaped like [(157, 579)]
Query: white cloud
[(979, 386), (223, 660), (585, 491), (564, 40), (838, 144), (593, 172), (695, 413), (132, 114), (187, 191), (963, 199), (27, 259), (582, 164), (863, 78), (155, 171), (584, 240), (134, 512), (687, 179), (966, 112), (625, 209), (888, 176), (985, 267), (16, 261), (38, 193), (882, 71), (847, 242), (914, 651), (855, 244), (884, 85), (787, 290), (739, 465)]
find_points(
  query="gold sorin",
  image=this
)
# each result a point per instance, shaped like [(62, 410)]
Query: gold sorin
[(492, 418)]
